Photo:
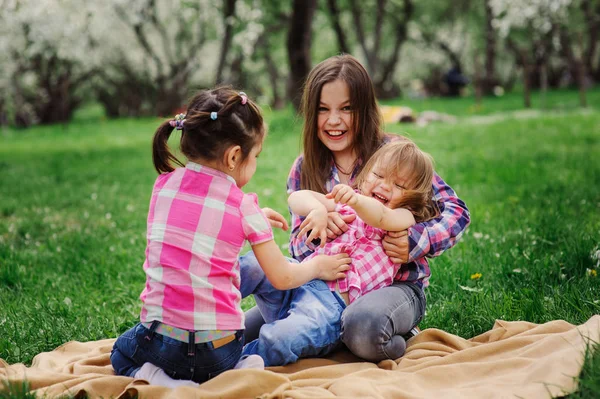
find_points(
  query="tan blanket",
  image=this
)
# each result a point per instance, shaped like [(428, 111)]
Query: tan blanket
[(513, 359)]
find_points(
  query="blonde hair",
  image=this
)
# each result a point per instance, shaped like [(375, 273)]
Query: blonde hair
[(403, 156)]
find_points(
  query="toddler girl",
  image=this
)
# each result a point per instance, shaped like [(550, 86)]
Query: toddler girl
[(394, 193)]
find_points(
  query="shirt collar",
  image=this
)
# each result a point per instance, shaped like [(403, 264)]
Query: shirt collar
[(196, 167)]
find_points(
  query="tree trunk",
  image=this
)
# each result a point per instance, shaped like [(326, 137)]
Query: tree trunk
[(544, 84), (334, 14), (576, 65), (384, 85), (522, 59), (592, 18), (477, 80), (490, 79), (298, 47), (228, 12), (526, 85)]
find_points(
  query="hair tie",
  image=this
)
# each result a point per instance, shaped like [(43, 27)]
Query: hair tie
[(177, 123), (244, 97), (213, 116)]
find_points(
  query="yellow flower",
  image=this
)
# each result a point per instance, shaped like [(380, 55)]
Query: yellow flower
[(476, 276), (592, 272)]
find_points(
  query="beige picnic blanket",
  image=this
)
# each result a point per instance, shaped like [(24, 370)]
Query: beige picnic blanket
[(513, 359)]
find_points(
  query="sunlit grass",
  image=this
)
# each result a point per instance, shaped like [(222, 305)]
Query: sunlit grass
[(74, 200)]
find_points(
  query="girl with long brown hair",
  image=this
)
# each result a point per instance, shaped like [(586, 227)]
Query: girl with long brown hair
[(342, 130)]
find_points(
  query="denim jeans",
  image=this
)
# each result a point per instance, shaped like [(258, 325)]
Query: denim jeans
[(372, 326), (268, 299), (139, 345), (309, 325)]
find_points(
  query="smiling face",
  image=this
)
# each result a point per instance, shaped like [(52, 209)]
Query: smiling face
[(385, 185), (335, 118)]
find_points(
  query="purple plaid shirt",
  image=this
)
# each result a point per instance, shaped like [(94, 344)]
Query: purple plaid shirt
[(426, 239)]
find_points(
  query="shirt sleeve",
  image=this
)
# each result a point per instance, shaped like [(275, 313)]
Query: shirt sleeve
[(435, 236), (254, 222), (298, 247)]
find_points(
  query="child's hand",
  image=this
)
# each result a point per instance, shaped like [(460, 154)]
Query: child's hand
[(332, 267), (276, 220), (343, 194), (315, 225)]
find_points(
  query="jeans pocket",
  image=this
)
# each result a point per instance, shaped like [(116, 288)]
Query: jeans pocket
[(229, 356)]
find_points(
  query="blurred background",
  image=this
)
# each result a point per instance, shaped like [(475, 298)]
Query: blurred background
[(145, 57)]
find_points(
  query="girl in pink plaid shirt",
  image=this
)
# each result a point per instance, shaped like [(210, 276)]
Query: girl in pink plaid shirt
[(394, 192), (191, 322)]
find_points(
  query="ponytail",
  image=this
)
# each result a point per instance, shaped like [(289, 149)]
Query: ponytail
[(161, 155)]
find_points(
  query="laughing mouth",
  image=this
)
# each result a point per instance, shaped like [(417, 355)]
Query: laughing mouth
[(335, 133), (380, 198)]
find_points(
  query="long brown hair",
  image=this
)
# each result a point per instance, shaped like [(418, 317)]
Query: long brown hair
[(207, 138), (367, 120), (404, 157)]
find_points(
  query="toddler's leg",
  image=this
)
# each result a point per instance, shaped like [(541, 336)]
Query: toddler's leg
[(373, 326), (268, 298), (311, 328)]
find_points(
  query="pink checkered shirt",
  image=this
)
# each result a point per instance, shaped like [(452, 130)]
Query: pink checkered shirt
[(198, 223), (371, 268)]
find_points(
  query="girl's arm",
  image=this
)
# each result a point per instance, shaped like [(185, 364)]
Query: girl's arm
[(299, 247), (371, 211), (282, 274), (314, 206), (285, 275)]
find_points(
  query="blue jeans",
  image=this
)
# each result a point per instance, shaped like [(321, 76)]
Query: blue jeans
[(139, 345), (372, 326), (308, 325)]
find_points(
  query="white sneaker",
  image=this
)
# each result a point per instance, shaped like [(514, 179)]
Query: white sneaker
[(157, 376), (413, 331), (251, 362)]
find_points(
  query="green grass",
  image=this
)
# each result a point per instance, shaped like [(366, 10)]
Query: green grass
[(74, 200)]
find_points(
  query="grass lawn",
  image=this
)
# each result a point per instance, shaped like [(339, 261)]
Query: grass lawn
[(74, 199)]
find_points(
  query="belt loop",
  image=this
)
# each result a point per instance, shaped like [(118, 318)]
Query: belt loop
[(191, 343), (151, 330)]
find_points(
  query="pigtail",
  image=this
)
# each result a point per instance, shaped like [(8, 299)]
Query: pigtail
[(161, 154)]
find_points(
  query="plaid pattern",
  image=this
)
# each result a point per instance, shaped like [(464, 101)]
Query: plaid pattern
[(426, 239), (198, 223), (371, 268)]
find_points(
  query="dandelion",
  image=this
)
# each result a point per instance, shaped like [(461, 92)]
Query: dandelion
[(591, 272), (67, 301), (476, 276), (108, 216), (497, 255)]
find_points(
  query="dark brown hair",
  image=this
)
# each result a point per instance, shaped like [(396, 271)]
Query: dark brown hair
[(316, 167), (403, 157), (205, 138)]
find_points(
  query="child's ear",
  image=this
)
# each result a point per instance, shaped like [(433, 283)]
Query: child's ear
[(233, 157)]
